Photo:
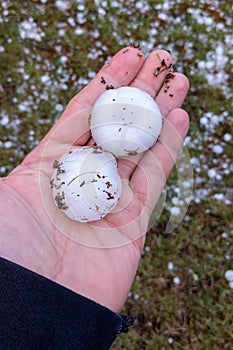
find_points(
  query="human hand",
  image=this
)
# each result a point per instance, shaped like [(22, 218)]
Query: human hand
[(98, 260)]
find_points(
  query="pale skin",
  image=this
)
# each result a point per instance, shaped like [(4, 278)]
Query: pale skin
[(31, 238)]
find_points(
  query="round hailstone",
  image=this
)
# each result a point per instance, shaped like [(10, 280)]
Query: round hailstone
[(85, 183), (229, 275), (125, 121), (176, 280)]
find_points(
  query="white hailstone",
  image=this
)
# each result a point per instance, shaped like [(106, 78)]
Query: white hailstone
[(136, 296), (176, 280), (218, 149), (175, 211), (170, 340), (170, 266), (225, 235), (63, 59), (8, 144), (229, 275), (227, 137), (125, 121), (212, 173), (85, 183)]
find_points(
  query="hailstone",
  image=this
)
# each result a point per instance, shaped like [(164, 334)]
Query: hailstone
[(125, 121), (85, 183)]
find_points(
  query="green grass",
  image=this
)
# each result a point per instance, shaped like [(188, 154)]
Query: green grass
[(36, 84)]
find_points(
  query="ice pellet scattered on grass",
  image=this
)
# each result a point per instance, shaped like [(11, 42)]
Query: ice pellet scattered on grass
[(8, 144), (213, 174), (4, 119), (229, 275), (170, 340), (227, 137), (62, 5), (176, 280), (44, 78), (175, 211), (170, 266), (218, 149), (29, 29), (63, 59)]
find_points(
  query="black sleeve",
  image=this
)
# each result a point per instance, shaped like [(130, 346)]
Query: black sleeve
[(37, 313)]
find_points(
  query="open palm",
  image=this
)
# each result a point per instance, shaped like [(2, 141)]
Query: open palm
[(98, 260)]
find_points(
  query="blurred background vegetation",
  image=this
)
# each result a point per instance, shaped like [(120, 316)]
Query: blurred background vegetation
[(49, 50)]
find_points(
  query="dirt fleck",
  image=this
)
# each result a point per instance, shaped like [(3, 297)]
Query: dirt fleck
[(56, 164), (110, 196), (51, 183), (163, 63), (59, 172), (89, 120), (167, 80), (136, 46), (103, 81), (60, 200), (132, 152), (109, 87), (128, 123), (169, 76), (97, 149), (108, 183), (82, 183), (163, 66)]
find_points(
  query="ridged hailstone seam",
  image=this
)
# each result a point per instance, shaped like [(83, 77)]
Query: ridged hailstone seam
[(125, 121), (85, 183)]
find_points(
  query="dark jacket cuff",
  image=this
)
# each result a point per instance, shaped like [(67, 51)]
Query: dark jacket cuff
[(37, 313)]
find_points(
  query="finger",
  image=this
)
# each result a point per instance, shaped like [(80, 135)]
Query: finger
[(151, 76), (171, 96), (153, 169), (149, 79), (72, 127), (119, 71), (173, 92)]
